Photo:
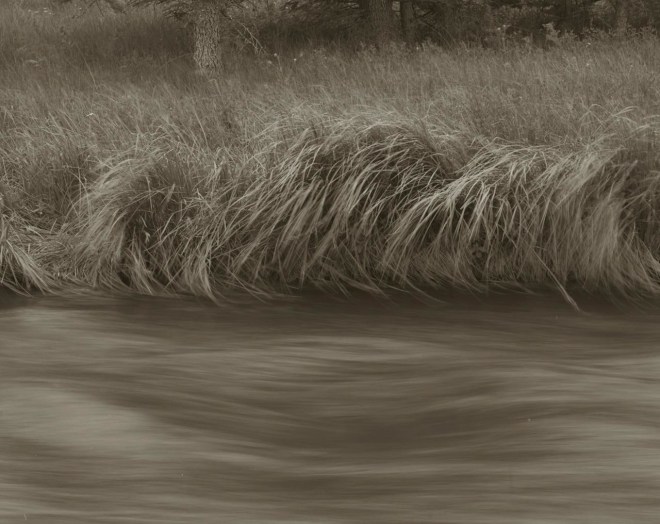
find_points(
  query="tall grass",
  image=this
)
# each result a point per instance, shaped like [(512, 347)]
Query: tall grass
[(406, 169)]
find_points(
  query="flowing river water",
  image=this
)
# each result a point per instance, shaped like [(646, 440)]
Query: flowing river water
[(173, 411)]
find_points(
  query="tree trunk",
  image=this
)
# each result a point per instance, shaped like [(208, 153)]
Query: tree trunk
[(380, 18), (407, 20), (209, 21), (653, 7), (620, 17)]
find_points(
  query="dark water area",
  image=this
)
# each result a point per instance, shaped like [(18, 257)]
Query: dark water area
[(507, 410)]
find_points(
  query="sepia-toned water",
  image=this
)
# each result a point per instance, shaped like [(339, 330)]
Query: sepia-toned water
[(502, 410)]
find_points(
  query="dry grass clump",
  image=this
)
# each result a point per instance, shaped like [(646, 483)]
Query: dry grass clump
[(326, 202), (138, 225), (351, 204), (521, 215), (21, 248), (371, 206)]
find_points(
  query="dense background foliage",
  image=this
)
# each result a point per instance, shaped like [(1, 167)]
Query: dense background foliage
[(486, 22)]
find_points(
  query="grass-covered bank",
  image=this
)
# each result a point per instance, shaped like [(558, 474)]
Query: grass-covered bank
[(473, 168)]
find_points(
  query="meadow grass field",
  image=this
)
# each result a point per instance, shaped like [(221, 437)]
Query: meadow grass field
[(320, 167)]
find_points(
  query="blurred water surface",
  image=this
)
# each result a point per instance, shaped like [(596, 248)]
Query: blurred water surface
[(501, 410)]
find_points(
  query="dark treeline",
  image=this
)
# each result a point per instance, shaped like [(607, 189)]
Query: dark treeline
[(490, 23), (446, 21)]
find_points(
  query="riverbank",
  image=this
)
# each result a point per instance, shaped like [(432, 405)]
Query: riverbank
[(468, 169)]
